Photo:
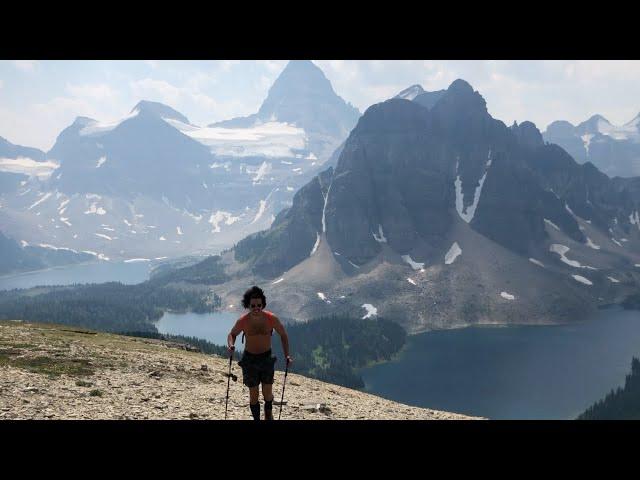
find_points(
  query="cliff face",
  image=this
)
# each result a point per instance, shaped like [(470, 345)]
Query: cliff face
[(60, 372)]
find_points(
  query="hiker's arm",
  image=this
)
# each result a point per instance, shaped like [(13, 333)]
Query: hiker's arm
[(278, 327), (235, 331)]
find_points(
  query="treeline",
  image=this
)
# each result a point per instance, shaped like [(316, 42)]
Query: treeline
[(333, 348), (621, 403), (632, 302), (110, 306), (209, 271), (202, 345)]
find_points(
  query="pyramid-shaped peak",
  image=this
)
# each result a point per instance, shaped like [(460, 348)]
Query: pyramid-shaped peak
[(159, 110), (306, 66)]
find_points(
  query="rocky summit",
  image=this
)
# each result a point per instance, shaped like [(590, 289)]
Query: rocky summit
[(59, 372)]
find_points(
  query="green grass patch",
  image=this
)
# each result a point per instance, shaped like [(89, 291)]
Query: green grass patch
[(82, 383), (54, 366), (95, 393)]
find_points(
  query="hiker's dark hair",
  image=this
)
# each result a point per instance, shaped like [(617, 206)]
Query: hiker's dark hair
[(253, 292)]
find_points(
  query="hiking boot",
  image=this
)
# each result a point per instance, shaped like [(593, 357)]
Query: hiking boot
[(268, 410), (255, 410)]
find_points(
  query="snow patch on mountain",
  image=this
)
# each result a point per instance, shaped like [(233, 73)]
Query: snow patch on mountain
[(549, 222), (562, 250), (27, 166), (586, 139), (324, 208), (634, 219), (371, 310), (628, 131), (95, 128), (507, 296), (315, 246), (568, 209), (260, 172), (613, 280), (415, 265), (590, 244), (135, 260), (95, 210), (581, 279), (380, 237), (452, 254), (467, 213), (42, 199), (261, 209), (101, 256), (51, 247), (103, 236), (411, 281), (537, 262), (270, 139), (323, 297), (220, 216), (410, 93), (101, 160), (277, 281)]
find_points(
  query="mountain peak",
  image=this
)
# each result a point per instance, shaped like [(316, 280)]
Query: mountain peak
[(159, 110), (460, 86), (83, 121), (461, 99), (527, 134), (303, 96), (411, 92)]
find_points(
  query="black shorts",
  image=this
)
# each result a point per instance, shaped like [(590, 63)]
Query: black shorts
[(257, 369)]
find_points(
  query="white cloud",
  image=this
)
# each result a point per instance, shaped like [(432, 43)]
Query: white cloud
[(25, 65), (99, 92), (273, 66), (160, 90), (227, 65)]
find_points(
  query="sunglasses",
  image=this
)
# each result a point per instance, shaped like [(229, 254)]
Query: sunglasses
[(256, 306)]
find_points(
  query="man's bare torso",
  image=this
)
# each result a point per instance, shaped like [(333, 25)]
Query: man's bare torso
[(257, 333)]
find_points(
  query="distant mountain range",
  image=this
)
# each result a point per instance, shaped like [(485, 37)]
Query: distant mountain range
[(442, 216), (615, 150), (153, 184), (19, 258)]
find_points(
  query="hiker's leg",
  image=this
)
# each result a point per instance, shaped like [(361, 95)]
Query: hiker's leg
[(254, 405), (267, 392), (268, 401)]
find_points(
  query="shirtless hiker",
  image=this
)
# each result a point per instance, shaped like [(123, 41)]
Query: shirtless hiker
[(257, 363)]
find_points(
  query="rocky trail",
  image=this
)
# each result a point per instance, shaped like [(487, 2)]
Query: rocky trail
[(61, 372)]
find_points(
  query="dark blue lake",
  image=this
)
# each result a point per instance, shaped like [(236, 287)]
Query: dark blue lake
[(94, 272), (213, 327), (523, 372)]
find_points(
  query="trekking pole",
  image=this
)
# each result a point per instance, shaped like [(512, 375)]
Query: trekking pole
[(228, 381), (286, 370)]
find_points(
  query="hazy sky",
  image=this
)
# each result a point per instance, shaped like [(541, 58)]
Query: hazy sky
[(40, 98)]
